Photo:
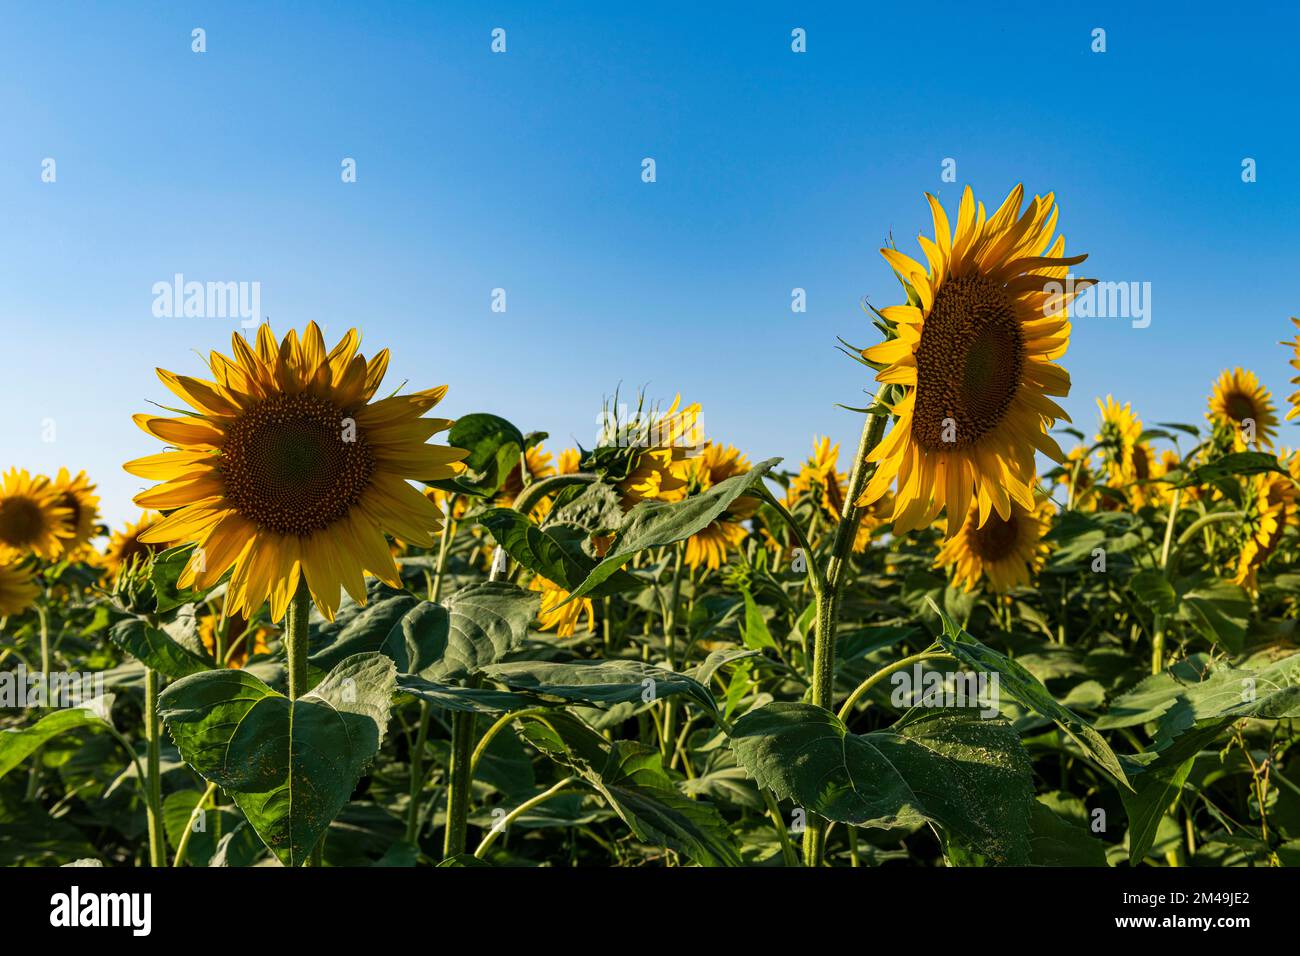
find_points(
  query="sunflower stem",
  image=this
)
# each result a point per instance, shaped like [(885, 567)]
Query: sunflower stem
[(295, 629), (828, 606), (153, 769)]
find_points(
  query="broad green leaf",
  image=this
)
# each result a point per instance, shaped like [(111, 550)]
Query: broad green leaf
[(550, 552), (1158, 786), (494, 447), (947, 766), (596, 508), (1027, 689), (17, 744), (631, 778), (1154, 592), (156, 649), (478, 700), (653, 524), (473, 627), (598, 682), (1055, 840), (290, 766), (1234, 463), (1220, 612)]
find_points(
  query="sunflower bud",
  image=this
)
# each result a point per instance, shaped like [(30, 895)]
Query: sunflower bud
[(133, 590)]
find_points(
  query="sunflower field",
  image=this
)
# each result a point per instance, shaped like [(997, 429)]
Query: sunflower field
[(346, 632)]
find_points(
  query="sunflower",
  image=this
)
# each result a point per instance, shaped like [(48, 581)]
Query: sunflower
[(1006, 552), (32, 518), (18, 589), (1130, 462), (562, 619), (709, 547), (125, 546), (661, 444), (1295, 364), (973, 355), (237, 629), (568, 462), (1240, 405), (1270, 507), (1077, 478), (288, 471), (820, 478), (78, 496)]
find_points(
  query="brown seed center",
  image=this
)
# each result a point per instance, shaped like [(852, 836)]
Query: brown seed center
[(295, 464), (968, 364), (21, 522), (997, 539), (1239, 407)]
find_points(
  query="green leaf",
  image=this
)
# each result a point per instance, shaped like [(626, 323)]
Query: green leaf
[(598, 682), (477, 625), (755, 633), (156, 649), (17, 744), (555, 552), (494, 447), (1027, 689), (1220, 612), (631, 778), (167, 568), (1157, 788), (1153, 591), (1055, 840), (477, 700), (1234, 463), (947, 766), (653, 524), (290, 766)]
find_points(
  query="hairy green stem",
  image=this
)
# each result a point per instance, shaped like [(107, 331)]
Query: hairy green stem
[(499, 827), (862, 689), (461, 775), (153, 768), (828, 606), (184, 843)]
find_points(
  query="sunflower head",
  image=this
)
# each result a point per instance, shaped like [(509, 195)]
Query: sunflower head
[(1240, 407), (819, 477), (646, 455), (1002, 552), (18, 588), (709, 547), (1270, 507), (538, 464), (289, 470), (78, 496), (974, 353), (33, 519)]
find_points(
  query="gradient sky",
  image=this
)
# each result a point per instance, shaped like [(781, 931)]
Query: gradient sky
[(523, 171)]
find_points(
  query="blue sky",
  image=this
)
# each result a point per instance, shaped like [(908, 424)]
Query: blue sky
[(522, 171)]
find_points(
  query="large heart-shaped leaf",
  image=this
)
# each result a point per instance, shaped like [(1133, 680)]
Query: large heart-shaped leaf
[(474, 627), (1029, 690), (968, 775), (653, 524), (290, 765)]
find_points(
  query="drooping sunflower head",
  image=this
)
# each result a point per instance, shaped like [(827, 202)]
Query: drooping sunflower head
[(973, 352), (18, 588), (647, 454), (32, 518), (78, 496), (288, 470), (1003, 552), (554, 615), (1241, 406), (1270, 507)]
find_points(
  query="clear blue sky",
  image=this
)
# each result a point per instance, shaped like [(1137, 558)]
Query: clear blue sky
[(522, 171)]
